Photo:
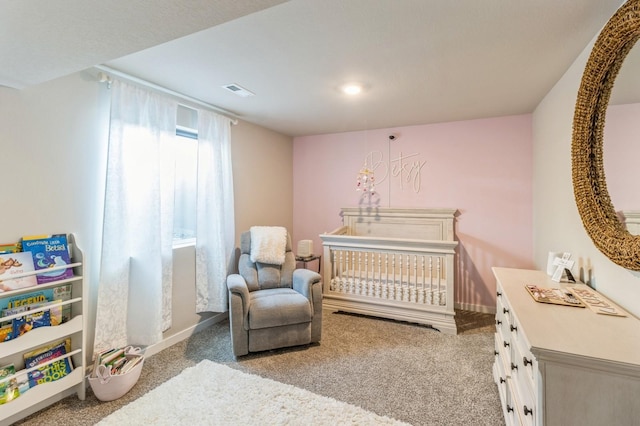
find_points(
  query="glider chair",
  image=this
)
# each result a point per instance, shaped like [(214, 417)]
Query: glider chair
[(271, 303)]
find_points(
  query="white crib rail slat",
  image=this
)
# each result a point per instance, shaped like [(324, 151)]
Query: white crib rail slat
[(390, 275)]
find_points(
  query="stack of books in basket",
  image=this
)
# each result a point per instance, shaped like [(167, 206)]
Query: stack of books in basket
[(115, 372)]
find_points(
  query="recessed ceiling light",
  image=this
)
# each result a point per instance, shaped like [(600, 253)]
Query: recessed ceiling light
[(238, 90), (352, 88)]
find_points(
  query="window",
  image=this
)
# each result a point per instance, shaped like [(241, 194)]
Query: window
[(186, 163), (186, 168)]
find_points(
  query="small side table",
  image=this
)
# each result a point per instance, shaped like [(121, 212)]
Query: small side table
[(308, 259)]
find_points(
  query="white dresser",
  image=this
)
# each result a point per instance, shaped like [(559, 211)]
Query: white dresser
[(562, 365)]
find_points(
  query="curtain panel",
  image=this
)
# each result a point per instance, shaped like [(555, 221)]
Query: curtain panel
[(136, 268), (134, 295), (215, 227)]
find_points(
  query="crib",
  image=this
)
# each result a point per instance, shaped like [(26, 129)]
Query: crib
[(393, 263)]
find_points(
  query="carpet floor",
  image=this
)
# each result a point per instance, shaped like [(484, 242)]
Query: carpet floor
[(404, 371), (225, 396)]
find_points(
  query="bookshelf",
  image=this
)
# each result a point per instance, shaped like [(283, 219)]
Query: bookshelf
[(12, 351)]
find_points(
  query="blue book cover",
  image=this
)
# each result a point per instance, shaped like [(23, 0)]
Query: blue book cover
[(26, 301), (48, 252), (54, 371), (32, 298), (28, 322)]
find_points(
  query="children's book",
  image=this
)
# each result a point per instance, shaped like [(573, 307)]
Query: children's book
[(22, 380), (10, 248), (55, 311), (8, 388), (6, 331), (28, 322), (12, 264), (62, 293), (48, 252), (51, 372), (31, 300)]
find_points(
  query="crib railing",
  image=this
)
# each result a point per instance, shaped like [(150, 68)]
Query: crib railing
[(390, 277), (404, 276)]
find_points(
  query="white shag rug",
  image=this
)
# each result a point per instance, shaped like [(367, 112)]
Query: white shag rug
[(214, 394)]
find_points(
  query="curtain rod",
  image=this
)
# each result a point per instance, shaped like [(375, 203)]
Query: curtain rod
[(231, 116)]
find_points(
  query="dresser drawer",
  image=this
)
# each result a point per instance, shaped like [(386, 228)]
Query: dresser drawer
[(500, 377), (523, 386), (503, 314), (523, 401), (528, 363), (502, 355), (503, 346)]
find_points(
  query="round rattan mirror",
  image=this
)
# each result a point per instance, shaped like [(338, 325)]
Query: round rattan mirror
[(589, 184)]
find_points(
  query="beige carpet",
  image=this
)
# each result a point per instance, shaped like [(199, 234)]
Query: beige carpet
[(218, 395), (405, 371)]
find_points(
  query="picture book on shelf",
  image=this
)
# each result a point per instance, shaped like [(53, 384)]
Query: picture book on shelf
[(55, 312), (22, 325), (13, 264), (50, 372), (10, 248), (24, 303), (6, 331), (48, 252), (8, 388), (31, 300)]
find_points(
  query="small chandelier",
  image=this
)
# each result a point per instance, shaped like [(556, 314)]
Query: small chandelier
[(365, 181)]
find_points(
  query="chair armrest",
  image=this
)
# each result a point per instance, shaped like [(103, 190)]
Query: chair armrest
[(237, 285), (306, 282), (238, 300)]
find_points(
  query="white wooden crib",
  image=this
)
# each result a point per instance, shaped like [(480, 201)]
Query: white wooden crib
[(393, 263)]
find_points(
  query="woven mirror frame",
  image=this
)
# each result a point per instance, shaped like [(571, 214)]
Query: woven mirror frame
[(598, 215)]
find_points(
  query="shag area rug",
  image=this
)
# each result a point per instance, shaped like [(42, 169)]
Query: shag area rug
[(214, 394)]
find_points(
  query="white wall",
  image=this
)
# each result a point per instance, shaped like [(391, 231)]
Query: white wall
[(557, 224), (53, 148), (53, 156), (262, 177)]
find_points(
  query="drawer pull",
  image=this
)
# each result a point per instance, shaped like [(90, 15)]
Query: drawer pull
[(526, 361), (506, 344), (514, 366), (498, 294), (527, 411), (496, 352), (513, 327), (505, 311), (502, 380), (498, 322), (509, 409)]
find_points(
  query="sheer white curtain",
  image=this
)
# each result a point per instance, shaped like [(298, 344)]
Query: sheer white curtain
[(134, 295), (215, 228)]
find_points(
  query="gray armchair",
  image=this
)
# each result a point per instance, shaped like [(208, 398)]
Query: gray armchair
[(273, 306)]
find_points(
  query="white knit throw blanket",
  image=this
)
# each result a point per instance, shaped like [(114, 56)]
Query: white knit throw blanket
[(268, 244)]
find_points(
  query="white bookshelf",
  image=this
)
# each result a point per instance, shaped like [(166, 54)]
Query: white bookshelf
[(12, 351)]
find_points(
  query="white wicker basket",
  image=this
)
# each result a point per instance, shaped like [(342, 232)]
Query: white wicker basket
[(114, 386)]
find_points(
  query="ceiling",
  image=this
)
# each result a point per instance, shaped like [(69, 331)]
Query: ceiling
[(420, 61)]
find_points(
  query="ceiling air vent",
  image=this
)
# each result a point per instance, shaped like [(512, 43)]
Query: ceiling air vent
[(238, 90)]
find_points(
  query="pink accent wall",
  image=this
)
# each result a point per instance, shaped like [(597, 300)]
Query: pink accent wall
[(483, 168), (620, 142)]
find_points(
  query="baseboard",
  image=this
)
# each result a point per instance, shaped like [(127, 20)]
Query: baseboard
[(476, 308), (184, 334)]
